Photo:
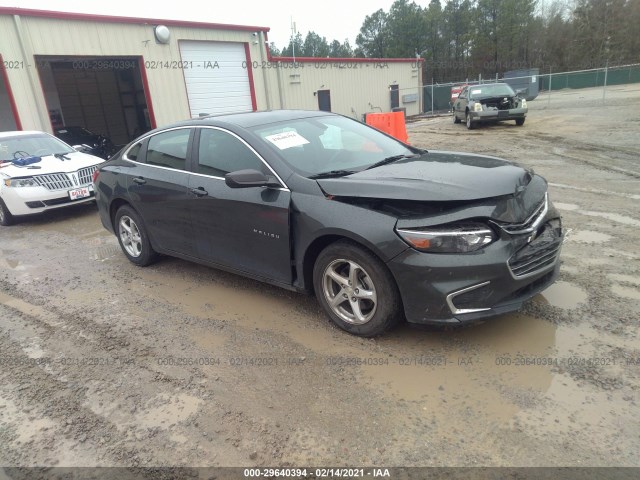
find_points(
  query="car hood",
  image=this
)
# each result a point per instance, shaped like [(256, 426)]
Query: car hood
[(51, 164), (435, 176)]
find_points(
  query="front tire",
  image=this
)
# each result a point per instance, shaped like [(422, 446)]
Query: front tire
[(520, 121), (469, 121), (356, 290), (6, 218), (133, 237)]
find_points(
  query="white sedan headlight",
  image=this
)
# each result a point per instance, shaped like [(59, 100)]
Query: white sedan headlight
[(523, 103), (20, 182)]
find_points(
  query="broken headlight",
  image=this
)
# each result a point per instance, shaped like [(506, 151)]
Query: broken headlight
[(458, 238)]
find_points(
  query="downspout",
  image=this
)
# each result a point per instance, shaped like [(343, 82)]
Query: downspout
[(27, 54), (279, 74), (265, 72)]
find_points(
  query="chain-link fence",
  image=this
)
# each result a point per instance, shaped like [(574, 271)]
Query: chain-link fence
[(437, 97)]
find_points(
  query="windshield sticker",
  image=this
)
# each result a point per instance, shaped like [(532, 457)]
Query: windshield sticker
[(287, 140), (476, 91)]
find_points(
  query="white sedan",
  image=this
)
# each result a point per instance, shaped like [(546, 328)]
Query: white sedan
[(39, 172)]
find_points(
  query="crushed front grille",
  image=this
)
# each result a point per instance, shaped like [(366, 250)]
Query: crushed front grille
[(538, 255)]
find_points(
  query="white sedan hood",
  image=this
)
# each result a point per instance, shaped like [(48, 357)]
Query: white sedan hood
[(51, 164)]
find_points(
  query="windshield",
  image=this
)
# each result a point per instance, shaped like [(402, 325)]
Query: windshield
[(484, 91), (322, 144), (38, 145)]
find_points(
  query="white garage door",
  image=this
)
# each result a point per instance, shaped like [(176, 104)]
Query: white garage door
[(221, 87)]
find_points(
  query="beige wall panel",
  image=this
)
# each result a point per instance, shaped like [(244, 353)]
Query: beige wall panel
[(354, 91), (356, 87)]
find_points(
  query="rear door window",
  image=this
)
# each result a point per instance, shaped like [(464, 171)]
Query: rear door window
[(169, 149)]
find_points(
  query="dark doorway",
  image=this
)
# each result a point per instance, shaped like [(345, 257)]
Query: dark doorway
[(8, 115), (324, 100), (105, 95), (395, 96)]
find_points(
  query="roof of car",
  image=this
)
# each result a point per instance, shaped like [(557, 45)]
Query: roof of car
[(488, 84), (20, 133), (252, 119)]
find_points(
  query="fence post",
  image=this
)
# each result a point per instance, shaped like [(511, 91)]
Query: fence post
[(604, 87), (549, 97), (431, 95)]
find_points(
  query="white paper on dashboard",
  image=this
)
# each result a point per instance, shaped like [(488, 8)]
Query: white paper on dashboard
[(286, 140)]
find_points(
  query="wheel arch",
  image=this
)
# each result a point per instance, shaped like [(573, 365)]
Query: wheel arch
[(318, 244), (114, 206)]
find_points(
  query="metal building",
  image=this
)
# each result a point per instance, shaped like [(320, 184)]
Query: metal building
[(121, 76)]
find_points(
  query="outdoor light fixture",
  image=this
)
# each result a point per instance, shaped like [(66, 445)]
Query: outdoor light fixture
[(162, 34)]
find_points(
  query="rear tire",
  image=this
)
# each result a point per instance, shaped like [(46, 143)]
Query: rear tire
[(133, 238), (356, 289), (520, 121), (455, 118), (6, 218)]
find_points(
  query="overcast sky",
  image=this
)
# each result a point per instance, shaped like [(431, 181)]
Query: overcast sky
[(334, 19)]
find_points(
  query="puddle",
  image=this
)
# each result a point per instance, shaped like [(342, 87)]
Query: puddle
[(474, 375), (27, 308), (31, 430), (564, 295), (171, 411), (209, 340), (26, 426), (588, 236), (265, 307), (626, 292), (16, 265)]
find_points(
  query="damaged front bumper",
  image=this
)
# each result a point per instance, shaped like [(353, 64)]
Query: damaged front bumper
[(495, 115), (462, 288)]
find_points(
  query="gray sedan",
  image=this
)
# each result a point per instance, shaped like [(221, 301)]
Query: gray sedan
[(379, 230)]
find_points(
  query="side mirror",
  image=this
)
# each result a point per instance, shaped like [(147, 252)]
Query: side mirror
[(249, 178)]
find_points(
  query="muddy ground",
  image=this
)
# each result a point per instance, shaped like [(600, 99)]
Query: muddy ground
[(108, 364)]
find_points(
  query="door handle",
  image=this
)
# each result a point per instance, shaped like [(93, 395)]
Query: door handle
[(139, 180), (199, 192)]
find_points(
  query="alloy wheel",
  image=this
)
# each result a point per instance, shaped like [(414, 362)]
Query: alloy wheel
[(349, 291), (130, 236)]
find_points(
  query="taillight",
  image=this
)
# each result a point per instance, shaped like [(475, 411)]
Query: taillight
[(96, 172)]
